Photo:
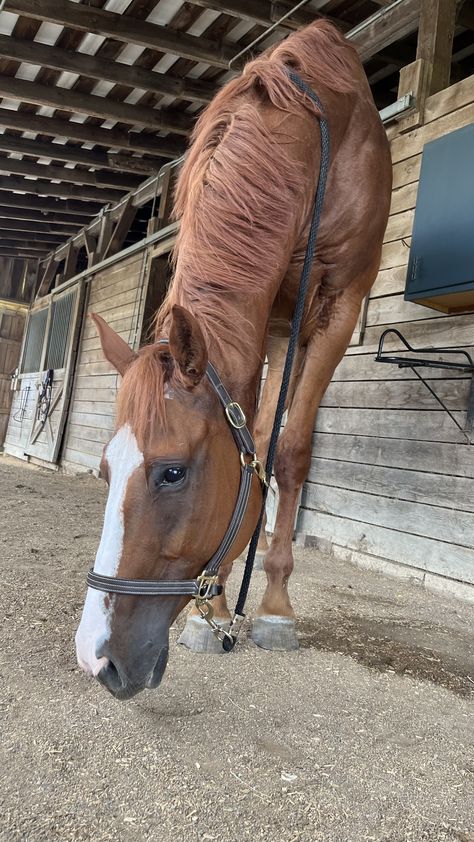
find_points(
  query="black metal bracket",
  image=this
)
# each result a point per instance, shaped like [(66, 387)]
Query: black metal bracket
[(422, 362)]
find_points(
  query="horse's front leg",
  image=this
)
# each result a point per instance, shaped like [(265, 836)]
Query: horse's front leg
[(274, 625), (197, 634), (276, 353)]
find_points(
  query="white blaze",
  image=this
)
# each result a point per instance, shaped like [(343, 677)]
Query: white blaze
[(123, 458)]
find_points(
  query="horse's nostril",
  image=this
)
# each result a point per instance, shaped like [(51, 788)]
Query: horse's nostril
[(109, 676)]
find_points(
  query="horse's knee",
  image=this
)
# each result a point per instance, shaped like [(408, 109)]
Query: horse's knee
[(292, 461)]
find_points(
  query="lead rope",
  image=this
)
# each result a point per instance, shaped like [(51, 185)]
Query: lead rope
[(229, 641)]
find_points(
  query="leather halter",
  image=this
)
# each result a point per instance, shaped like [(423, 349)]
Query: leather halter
[(205, 586)]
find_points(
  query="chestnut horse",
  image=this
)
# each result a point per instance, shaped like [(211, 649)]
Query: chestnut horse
[(244, 199)]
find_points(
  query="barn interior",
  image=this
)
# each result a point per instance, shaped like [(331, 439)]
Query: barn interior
[(98, 102)]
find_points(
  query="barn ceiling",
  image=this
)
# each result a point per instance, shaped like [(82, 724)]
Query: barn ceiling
[(96, 96)]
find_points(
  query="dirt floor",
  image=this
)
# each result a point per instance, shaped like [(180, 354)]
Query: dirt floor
[(365, 733)]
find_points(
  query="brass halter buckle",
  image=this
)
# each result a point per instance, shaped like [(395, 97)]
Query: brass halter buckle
[(235, 415)]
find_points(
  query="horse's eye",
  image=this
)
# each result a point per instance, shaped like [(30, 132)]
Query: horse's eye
[(174, 474)]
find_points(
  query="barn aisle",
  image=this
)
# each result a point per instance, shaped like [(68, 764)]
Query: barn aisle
[(365, 733)]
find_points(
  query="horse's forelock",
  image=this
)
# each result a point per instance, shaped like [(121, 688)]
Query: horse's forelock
[(141, 397)]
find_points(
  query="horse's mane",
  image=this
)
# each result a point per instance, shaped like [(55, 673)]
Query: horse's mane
[(238, 187), (235, 198)]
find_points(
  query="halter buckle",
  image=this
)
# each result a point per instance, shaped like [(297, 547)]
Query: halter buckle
[(207, 588), (235, 415)]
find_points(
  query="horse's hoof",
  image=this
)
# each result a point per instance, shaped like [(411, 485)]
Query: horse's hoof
[(197, 635), (276, 633)]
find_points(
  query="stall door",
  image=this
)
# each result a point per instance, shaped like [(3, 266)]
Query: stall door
[(53, 383)]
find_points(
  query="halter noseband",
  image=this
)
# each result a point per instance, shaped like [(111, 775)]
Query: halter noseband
[(205, 586)]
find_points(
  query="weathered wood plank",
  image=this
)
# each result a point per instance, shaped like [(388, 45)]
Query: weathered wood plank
[(398, 484), (94, 434), (94, 407), (399, 225), (394, 254), (96, 420), (418, 425), (451, 99), (396, 394), (404, 548), (99, 381), (404, 198), (414, 518), (389, 282), (83, 445), (79, 457), (104, 397), (451, 459), (405, 146), (394, 310), (406, 171)]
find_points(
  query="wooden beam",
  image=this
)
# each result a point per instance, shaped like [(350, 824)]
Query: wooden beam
[(122, 227), (88, 236), (21, 254), (94, 106), (28, 226), (78, 155), (123, 28), (264, 12), (114, 138), (41, 203), (435, 42), (95, 67), (19, 216), (97, 178), (384, 28), (47, 188), (26, 245), (51, 240)]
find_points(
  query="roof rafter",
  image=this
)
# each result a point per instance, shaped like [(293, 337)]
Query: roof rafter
[(264, 12), (94, 106), (115, 138), (17, 225), (124, 28), (63, 190), (97, 178), (36, 215), (98, 68), (56, 206), (77, 155)]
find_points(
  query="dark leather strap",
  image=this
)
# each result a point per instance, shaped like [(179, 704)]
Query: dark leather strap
[(212, 567), (147, 587), (235, 416)]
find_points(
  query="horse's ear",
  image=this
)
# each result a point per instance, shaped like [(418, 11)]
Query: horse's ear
[(115, 349), (187, 346)]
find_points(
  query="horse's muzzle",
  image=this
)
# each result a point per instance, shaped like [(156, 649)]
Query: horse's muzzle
[(124, 681)]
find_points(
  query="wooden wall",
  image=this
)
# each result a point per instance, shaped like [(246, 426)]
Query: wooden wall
[(12, 322), (392, 477), (117, 294)]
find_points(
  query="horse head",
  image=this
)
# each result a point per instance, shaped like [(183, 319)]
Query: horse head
[(173, 473)]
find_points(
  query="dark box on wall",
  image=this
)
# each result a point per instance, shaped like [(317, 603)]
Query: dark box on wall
[(441, 265)]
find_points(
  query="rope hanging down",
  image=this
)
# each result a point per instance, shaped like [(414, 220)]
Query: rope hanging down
[(292, 345)]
